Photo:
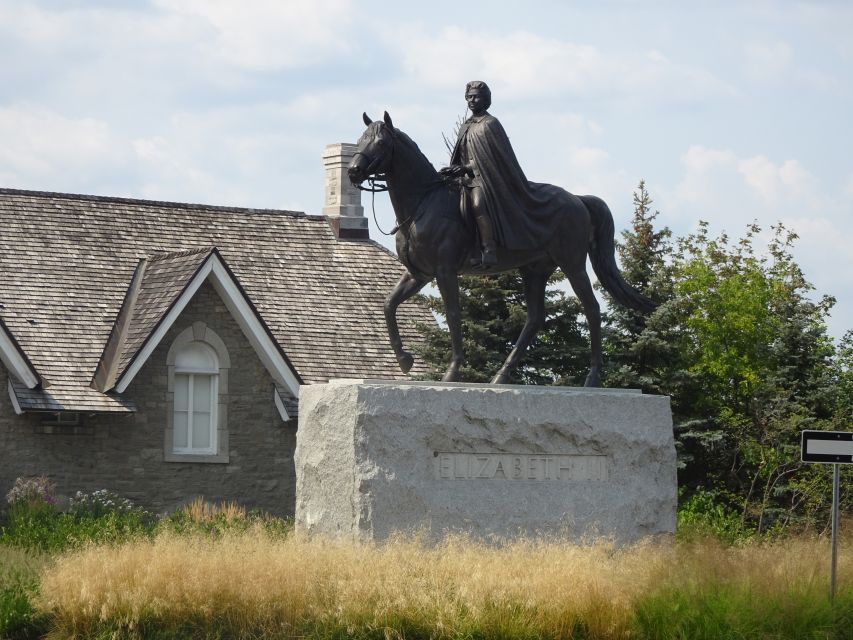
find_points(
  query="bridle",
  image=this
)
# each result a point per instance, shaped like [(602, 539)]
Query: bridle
[(378, 183), (374, 188), (372, 165)]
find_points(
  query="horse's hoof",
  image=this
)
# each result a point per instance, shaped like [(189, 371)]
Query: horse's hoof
[(500, 378), (451, 376), (406, 361)]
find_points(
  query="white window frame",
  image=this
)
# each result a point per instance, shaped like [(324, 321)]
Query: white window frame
[(212, 410), (218, 451)]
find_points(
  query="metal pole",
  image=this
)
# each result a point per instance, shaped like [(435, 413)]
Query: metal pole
[(836, 481)]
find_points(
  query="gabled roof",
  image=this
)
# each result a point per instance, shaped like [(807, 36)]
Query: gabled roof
[(161, 288), (67, 263)]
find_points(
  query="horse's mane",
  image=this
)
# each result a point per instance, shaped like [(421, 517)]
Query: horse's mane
[(414, 148)]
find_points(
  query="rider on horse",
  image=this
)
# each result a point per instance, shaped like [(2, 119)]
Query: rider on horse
[(508, 210)]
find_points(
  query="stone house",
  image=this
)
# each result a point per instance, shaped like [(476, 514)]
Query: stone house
[(156, 349)]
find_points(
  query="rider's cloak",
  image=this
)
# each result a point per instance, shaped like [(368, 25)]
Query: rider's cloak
[(523, 213)]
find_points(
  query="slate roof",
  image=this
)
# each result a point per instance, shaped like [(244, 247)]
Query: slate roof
[(67, 261)]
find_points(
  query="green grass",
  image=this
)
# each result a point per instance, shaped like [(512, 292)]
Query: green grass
[(39, 526), (726, 612), (19, 575)]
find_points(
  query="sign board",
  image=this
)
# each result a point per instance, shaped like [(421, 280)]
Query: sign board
[(829, 447), (835, 448)]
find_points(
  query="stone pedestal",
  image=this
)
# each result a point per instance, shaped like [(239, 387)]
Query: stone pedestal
[(374, 458)]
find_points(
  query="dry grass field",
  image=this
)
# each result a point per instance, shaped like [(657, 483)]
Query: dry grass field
[(260, 586)]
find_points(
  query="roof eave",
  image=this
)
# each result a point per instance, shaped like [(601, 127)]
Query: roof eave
[(16, 360)]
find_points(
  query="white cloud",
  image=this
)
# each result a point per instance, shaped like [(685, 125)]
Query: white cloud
[(767, 61), (778, 184), (171, 47), (708, 175), (531, 65), (267, 35), (718, 184), (42, 149), (592, 171), (823, 251), (775, 63), (265, 154)]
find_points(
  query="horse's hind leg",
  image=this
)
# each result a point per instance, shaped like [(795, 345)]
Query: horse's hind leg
[(534, 295), (407, 286), (448, 285), (583, 290)]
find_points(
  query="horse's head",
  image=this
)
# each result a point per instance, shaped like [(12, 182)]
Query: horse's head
[(374, 150)]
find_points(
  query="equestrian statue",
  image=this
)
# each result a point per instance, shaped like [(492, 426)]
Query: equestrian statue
[(481, 215)]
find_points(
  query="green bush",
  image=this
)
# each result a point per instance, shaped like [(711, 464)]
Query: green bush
[(100, 517), (18, 617), (34, 522), (706, 514), (19, 571)]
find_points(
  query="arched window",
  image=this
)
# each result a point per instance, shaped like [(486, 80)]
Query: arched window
[(196, 398)]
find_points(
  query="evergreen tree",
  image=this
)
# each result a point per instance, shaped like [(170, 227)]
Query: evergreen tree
[(843, 401), (493, 314), (637, 346)]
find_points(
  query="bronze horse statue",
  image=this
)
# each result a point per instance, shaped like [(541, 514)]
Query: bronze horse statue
[(435, 242)]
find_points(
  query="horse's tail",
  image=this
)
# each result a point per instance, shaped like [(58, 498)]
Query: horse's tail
[(602, 254)]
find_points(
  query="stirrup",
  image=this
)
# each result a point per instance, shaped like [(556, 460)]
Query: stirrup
[(488, 258)]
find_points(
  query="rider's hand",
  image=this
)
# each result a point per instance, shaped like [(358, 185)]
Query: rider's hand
[(453, 171)]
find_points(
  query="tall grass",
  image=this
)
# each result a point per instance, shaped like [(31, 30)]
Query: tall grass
[(257, 585)]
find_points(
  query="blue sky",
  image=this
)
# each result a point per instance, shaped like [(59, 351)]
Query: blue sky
[(731, 111)]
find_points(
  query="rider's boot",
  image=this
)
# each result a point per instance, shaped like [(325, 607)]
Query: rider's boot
[(487, 239)]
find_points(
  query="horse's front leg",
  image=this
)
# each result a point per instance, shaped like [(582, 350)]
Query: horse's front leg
[(407, 286), (448, 285)]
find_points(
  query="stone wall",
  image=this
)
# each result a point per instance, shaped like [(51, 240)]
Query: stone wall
[(124, 453)]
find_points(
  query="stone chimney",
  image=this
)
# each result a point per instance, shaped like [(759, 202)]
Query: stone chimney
[(343, 201)]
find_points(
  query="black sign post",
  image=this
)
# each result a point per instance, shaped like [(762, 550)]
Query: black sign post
[(835, 448)]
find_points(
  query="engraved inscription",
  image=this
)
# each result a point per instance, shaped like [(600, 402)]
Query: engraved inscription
[(523, 466)]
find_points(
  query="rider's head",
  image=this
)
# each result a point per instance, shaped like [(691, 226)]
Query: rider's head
[(484, 95)]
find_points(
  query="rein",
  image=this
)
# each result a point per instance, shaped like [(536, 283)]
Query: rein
[(378, 187), (373, 189)]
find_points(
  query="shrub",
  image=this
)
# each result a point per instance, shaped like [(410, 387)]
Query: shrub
[(102, 516), (34, 490), (18, 579), (99, 503), (706, 514)]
